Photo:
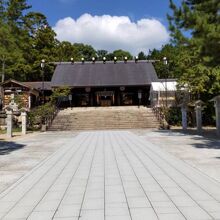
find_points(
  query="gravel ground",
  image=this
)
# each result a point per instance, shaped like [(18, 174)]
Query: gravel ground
[(200, 152), (20, 154)]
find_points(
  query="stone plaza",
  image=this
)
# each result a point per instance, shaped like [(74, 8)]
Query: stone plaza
[(115, 175)]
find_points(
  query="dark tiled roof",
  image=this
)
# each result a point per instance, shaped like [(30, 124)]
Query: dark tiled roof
[(99, 74), (38, 85), (168, 80)]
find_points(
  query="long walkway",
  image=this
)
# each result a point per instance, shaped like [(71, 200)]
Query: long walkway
[(111, 175)]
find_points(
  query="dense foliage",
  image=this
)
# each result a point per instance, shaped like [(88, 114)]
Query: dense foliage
[(26, 38), (195, 30), (171, 70), (193, 53), (60, 92), (38, 116)]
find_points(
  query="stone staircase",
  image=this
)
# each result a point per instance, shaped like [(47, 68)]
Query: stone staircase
[(101, 118)]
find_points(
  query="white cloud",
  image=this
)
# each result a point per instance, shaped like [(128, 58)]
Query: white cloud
[(113, 32)]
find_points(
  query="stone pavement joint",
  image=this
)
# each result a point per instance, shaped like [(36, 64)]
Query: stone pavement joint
[(110, 175)]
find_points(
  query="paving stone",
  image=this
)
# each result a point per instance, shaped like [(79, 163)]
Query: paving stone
[(41, 215), (142, 213), (195, 213), (68, 211), (171, 216), (111, 175), (120, 217), (92, 214), (138, 202), (119, 211), (215, 215)]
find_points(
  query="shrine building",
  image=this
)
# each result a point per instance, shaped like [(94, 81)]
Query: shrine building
[(106, 83)]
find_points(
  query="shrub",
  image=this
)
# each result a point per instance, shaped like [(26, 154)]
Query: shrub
[(173, 116), (60, 92), (38, 116)]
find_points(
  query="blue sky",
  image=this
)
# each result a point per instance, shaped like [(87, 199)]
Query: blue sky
[(66, 16), (136, 9)]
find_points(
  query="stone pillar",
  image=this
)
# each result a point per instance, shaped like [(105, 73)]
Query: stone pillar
[(9, 122), (29, 101), (24, 122), (184, 117), (217, 112), (198, 109), (199, 118)]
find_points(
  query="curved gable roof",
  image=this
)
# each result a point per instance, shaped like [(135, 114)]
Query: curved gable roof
[(108, 74)]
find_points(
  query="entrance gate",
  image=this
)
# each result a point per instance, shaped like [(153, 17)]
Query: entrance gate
[(105, 98)]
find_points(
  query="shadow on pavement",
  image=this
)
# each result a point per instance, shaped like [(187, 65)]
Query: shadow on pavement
[(207, 143), (7, 147), (208, 139)]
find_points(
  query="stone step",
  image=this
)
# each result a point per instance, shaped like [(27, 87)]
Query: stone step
[(129, 117)]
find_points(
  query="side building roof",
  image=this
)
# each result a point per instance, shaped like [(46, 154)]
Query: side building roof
[(99, 74), (39, 85)]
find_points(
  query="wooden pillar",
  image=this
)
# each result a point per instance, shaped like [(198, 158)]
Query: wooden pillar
[(119, 99), (91, 99), (97, 99)]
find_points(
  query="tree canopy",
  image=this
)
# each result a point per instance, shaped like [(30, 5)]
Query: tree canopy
[(26, 38), (193, 52), (195, 30)]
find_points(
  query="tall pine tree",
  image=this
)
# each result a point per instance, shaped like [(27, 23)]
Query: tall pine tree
[(195, 26)]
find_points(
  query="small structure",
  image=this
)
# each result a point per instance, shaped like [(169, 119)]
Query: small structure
[(19, 93), (24, 94), (163, 93), (41, 86)]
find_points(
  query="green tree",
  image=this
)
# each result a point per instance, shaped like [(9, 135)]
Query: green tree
[(60, 92), (33, 21), (101, 54), (14, 12), (2, 10), (25, 38), (66, 51), (195, 26), (172, 69), (10, 53), (142, 56), (120, 54), (85, 51)]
